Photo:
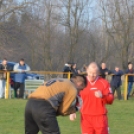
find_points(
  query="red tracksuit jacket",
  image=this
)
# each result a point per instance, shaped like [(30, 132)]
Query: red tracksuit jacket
[(93, 105)]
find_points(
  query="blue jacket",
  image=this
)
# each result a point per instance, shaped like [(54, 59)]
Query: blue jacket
[(20, 74), (130, 78), (116, 78)]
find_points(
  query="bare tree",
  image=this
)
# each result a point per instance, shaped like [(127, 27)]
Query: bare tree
[(10, 12), (75, 18), (117, 18)]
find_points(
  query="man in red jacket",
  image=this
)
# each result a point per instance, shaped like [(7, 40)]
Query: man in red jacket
[(95, 95)]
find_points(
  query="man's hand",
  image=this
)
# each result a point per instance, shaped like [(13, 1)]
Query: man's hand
[(72, 117), (98, 94), (106, 73)]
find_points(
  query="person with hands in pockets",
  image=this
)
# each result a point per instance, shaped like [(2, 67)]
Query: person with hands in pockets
[(94, 97)]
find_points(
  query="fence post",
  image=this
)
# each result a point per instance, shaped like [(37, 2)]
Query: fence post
[(125, 86), (68, 76), (7, 86)]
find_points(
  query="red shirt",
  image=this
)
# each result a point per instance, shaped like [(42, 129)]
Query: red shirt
[(93, 105)]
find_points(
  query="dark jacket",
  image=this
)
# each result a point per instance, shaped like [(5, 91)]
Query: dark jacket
[(103, 71), (66, 69), (130, 78), (3, 73), (116, 78), (74, 71)]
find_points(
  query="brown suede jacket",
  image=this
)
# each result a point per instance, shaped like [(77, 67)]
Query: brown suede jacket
[(60, 93)]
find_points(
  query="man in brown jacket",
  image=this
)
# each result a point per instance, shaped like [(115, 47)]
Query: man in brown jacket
[(55, 97)]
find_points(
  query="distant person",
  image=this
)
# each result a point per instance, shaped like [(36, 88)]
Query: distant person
[(66, 69), (116, 81), (130, 70), (74, 69), (103, 70), (19, 78), (55, 97), (84, 68), (3, 75)]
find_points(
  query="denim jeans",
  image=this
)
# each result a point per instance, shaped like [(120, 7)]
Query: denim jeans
[(130, 85), (2, 88)]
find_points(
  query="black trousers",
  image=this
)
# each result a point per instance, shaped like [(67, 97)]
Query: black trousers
[(18, 85), (40, 116), (118, 89)]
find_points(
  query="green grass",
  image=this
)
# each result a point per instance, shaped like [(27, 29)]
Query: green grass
[(121, 118)]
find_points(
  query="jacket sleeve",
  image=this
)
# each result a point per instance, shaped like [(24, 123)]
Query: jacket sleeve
[(68, 105), (122, 73), (108, 99), (16, 68), (126, 71), (110, 71), (108, 96), (9, 68), (27, 68)]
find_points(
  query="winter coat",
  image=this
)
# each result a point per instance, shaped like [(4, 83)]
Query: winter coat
[(20, 75), (116, 78), (103, 71), (3, 74), (66, 69), (130, 78)]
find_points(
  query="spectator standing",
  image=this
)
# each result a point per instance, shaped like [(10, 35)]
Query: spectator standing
[(55, 97), (66, 69), (116, 81), (19, 78), (130, 70), (3, 67), (95, 96), (84, 68), (74, 70), (103, 70)]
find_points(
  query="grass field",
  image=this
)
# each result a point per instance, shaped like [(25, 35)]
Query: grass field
[(121, 118)]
